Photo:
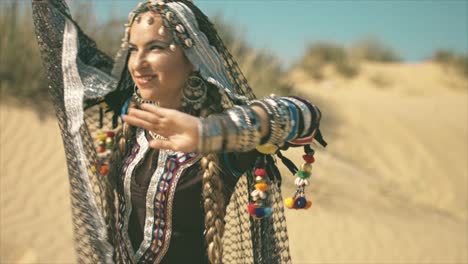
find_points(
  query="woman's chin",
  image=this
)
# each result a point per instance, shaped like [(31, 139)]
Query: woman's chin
[(147, 95)]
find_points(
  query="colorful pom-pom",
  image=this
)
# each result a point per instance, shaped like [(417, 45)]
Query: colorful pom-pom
[(306, 167), (261, 186), (300, 202), (268, 211), (102, 150), (260, 172), (308, 158), (308, 204), (289, 202), (101, 136), (251, 209), (110, 134), (260, 212), (303, 174), (104, 170)]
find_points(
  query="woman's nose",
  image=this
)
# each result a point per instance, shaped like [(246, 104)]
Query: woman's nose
[(140, 61)]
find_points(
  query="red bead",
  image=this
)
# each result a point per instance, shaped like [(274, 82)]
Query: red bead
[(308, 158), (104, 170), (260, 172), (102, 149), (251, 209), (110, 134)]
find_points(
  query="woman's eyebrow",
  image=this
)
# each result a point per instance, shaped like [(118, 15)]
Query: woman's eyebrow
[(155, 41)]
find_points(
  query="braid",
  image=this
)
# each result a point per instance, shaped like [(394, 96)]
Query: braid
[(123, 138), (212, 192)]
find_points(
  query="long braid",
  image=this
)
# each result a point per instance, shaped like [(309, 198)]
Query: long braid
[(212, 190)]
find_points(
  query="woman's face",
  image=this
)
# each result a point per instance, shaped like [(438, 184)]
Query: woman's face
[(159, 72)]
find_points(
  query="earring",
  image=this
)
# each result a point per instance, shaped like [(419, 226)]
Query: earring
[(194, 93)]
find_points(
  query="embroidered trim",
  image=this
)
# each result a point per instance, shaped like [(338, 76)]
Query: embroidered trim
[(158, 223)]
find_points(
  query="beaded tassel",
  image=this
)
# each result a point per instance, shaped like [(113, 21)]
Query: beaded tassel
[(299, 201), (105, 143), (257, 209)]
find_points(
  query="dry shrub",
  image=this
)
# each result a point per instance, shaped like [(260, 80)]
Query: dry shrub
[(452, 61), (261, 68), (372, 49), (321, 54)]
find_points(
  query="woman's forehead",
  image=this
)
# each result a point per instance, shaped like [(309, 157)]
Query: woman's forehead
[(145, 29)]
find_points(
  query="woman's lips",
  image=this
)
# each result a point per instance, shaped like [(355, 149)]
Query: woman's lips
[(143, 80)]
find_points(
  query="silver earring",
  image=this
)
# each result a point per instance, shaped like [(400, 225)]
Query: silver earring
[(194, 93)]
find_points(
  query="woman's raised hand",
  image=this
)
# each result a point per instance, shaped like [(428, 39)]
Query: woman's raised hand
[(180, 129)]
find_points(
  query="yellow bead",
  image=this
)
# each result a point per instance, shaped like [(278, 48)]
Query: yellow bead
[(102, 136), (267, 149), (93, 168), (289, 202), (306, 167), (261, 186)]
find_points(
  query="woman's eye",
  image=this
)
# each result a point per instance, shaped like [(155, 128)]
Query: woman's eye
[(132, 49), (156, 47)]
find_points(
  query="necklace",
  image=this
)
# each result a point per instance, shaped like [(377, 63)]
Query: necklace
[(140, 100)]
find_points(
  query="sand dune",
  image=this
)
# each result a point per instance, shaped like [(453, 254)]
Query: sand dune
[(390, 188)]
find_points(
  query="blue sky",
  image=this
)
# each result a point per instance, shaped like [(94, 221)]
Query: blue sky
[(414, 28)]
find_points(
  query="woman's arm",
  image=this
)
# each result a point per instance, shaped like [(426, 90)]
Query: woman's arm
[(269, 122)]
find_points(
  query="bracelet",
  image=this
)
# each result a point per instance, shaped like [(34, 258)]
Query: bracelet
[(306, 113), (293, 119), (238, 129), (281, 119), (316, 115)]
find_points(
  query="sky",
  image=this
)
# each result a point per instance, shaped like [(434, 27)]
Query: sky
[(414, 28)]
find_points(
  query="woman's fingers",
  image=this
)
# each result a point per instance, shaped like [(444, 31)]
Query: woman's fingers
[(136, 121), (159, 111), (161, 144), (144, 115)]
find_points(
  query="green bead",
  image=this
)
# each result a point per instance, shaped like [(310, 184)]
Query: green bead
[(303, 174)]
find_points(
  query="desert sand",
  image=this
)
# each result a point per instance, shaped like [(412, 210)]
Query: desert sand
[(391, 187)]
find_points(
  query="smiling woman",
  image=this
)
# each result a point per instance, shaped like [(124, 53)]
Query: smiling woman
[(158, 71), (186, 174)]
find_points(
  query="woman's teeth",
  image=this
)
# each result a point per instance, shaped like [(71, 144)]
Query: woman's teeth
[(145, 79)]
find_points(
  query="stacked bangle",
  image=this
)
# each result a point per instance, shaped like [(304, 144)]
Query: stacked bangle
[(291, 119), (238, 129), (306, 114)]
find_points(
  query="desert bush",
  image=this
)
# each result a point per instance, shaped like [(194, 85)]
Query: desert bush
[(320, 54), (20, 67), (261, 68), (452, 60), (372, 49)]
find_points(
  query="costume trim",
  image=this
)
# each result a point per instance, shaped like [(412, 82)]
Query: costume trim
[(159, 198), (73, 102)]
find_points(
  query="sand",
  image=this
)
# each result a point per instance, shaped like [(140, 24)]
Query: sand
[(391, 187)]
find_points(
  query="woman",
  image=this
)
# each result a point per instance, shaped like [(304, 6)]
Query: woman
[(192, 146)]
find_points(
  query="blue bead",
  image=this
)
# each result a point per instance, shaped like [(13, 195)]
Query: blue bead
[(268, 211), (260, 212), (300, 202)]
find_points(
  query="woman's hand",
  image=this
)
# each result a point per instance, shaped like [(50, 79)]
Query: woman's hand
[(180, 129)]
